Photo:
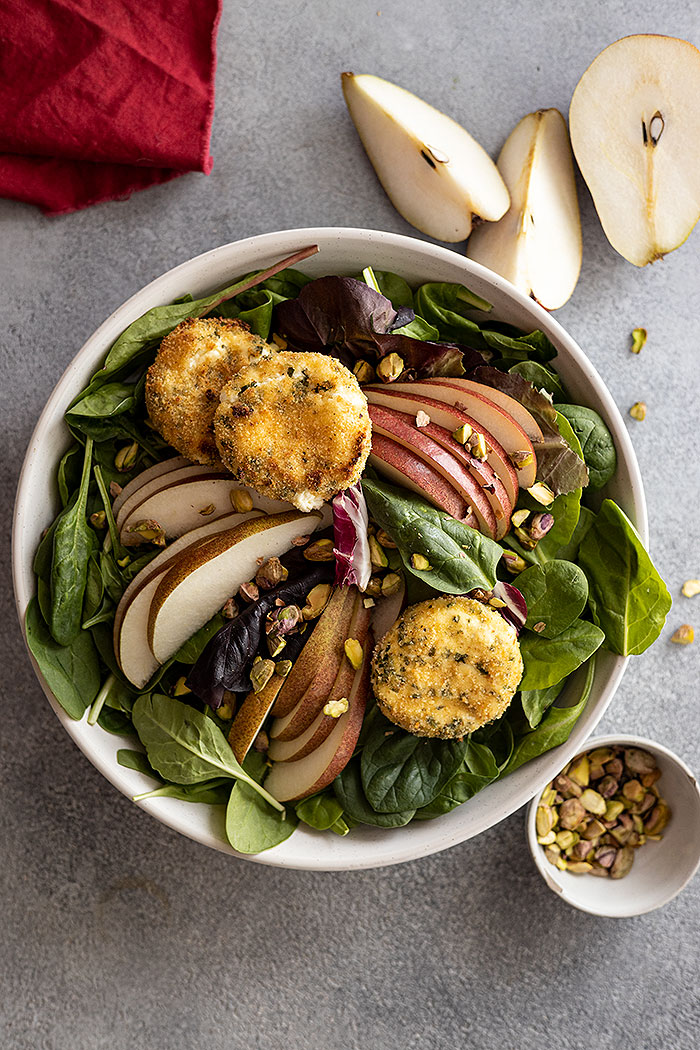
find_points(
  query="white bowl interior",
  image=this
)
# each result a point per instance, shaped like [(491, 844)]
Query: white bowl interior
[(342, 251), (660, 869)]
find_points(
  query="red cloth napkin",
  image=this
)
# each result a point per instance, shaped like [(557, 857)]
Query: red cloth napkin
[(99, 98)]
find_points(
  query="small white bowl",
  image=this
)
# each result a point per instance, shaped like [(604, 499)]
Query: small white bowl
[(660, 870)]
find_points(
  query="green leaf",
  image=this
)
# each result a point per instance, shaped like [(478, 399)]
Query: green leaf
[(211, 793), (444, 307), (72, 672), (68, 473), (396, 290), (597, 445), (401, 771), (541, 378), (548, 660), (191, 650), (320, 811), (112, 399), (349, 792), (73, 543), (628, 598), (554, 729), (556, 594), (463, 786), (536, 701), (184, 745), (460, 558), (569, 552), (137, 760), (252, 825)]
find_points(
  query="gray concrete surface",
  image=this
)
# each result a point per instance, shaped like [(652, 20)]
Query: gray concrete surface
[(117, 933)]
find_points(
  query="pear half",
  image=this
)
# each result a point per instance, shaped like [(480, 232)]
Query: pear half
[(537, 244), (435, 174), (635, 131)]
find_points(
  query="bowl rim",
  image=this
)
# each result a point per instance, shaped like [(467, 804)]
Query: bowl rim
[(372, 852), (537, 852)]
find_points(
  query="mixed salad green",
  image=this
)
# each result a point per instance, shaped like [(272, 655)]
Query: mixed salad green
[(587, 583)]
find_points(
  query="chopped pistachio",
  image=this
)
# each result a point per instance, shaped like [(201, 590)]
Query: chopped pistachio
[(525, 539), (690, 588), (271, 573), (320, 550), (126, 456), (639, 338), (316, 601), (462, 434), (364, 372), (593, 801), (385, 539), (376, 552), (622, 863), (283, 667), (422, 419), (479, 447), (241, 500), (354, 653), (98, 519), (260, 674), (520, 516), (580, 770), (685, 635), (548, 839), (521, 459), (390, 368), (249, 591), (180, 688), (146, 531), (368, 603), (230, 610), (420, 563), (579, 867), (224, 712), (390, 584), (514, 563), (545, 819), (209, 509), (336, 708), (542, 493), (638, 410), (374, 587)]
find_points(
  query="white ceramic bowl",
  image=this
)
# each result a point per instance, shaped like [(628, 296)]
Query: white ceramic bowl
[(343, 251), (660, 869)]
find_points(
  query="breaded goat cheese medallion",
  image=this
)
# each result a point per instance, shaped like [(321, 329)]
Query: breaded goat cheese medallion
[(183, 384), (294, 426), (448, 666)]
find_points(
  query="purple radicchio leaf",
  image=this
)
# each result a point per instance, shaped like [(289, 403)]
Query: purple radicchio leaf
[(354, 322), (225, 662), (557, 464), (350, 519), (515, 609)]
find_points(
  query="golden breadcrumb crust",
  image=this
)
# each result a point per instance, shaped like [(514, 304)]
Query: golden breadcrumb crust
[(448, 666), (295, 426), (183, 384)]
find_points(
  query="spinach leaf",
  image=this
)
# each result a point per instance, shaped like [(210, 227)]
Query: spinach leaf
[(569, 552), (518, 347), (554, 728), (596, 442), (396, 290), (444, 305), (401, 771), (348, 790), (137, 760), (536, 701), (191, 650), (251, 824), (115, 722), (556, 594), (71, 672), (463, 786), (73, 543), (541, 378), (460, 558), (212, 792), (320, 811), (68, 473), (628, 598), (112, 399), (548, 660), (185, 746)]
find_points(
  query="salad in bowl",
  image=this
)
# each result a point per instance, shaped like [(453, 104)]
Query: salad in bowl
[(335, 553)]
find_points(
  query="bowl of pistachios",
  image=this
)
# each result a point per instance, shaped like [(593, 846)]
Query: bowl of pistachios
[(617, 831)]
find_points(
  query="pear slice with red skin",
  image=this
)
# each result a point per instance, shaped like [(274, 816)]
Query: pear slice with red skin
[(401, 427), (402, 468), (251, 716), (150, 474), (184, 503), (386, 611), (315, 668), (406, 399), (285, 748), (510, 405), (147, 488), (130, 633), (202, 580), (289, 781), (488, 415)]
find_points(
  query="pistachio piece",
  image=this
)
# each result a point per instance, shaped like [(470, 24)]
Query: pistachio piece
[(230, 610), (98, 519), (391, 584), (581, 849), (658, 818), (374, 587), (548, 839), (615, 767), (241, 500), (180, 688), (593, 830), (260, 674), (685, 635), (579, 770), (377, 556), (518, 517), (540, 526), (521, 459), (364, 372), (542, 493), (275, 643), (479, 447), (390, 368), (649, 779), (209, 509), (633, 791), (567, 787), (422, 419), (419, 562), (316, 601), (639, 761), (224, 712), (613, 809), (607, 787), (638, 410), (605, 856), (271, 573), (524, 539), (545, 819), (368, 603), (690, 588), (552, 854), (354, 653), (320, 550), (249, 591), (126, 456), (462, 434), (593, 801), (336, 708), (385, 539), (283, 667), (571, 814), (300, 541), (639, 338), (622, 863), (579, 867), (146, 531), (567, 839), (601, 755), (114, 489), (548, 796), (596, 869), (514, 563)]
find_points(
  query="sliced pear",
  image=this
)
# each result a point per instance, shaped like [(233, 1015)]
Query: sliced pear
[(251, 716), (156, 478), (199, 583), (537, 244), (435, 174), (635, 131), (145, 476)]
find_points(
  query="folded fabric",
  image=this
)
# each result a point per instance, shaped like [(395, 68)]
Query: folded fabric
[(99, 98)]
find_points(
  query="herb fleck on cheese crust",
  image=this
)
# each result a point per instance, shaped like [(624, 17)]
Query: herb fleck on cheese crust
[(295, 427), (446, 667), (183, 384)]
